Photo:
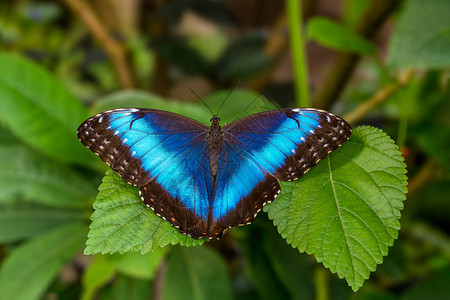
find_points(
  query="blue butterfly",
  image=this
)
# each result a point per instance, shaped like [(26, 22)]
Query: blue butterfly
[(202, 179)]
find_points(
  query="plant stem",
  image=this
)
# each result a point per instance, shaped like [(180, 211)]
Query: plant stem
[(379, 97), (321, 283), (345, 63), (403, 121), (402, 126), (298, 53)]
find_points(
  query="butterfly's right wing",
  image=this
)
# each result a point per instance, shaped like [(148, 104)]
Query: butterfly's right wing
[(288, 142), (263, 148), (164, 153)]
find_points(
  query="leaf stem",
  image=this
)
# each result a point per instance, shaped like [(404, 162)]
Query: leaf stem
[(321, 283), (298, 53)]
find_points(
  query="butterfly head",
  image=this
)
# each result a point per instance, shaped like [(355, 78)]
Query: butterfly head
[(215, 121)]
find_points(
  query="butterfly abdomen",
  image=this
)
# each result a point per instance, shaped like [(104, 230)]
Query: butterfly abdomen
[(215, 141)]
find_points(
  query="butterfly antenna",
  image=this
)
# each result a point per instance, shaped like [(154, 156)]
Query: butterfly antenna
[(226, 98), (270, 99), (198, 97)]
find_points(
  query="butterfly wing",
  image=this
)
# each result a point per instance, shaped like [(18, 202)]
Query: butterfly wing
[(166, 154), (288, 142), (263, 148), (242, 188)]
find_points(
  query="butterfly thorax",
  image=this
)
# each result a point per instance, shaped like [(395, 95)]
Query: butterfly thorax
[(215, 139)]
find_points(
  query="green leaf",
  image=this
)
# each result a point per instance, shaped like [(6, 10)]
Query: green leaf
[(6, 137), (27, 175), (276, 270), (243, 59), (435, 141), (196, 273), (99, 272), (104, 267), (179, 53), (345, 211), (260, 270), (354, 11), (372, 292), (126, 288), (436, 207), (141, 99), (24, 220), (433, 134), (433, 288), (121, 222), (30, 268), (240, 103), (210, 45), (421, 38), (293, 270), (39, 110), (334, 35), (137, 265)]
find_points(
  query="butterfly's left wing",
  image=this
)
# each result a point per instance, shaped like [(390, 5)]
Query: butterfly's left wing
[(263, 148), (164, 153)]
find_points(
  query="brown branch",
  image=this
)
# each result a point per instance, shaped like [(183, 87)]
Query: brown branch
[(273, 49), (115, 51), (425, 174), (160, 82), (343, 67), (382, 95)]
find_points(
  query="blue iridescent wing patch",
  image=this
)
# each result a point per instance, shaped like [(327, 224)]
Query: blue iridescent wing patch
[(204, 180), (163, 153), (261, 149)]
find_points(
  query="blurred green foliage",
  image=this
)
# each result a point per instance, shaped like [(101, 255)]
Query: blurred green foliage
[(48, 181)]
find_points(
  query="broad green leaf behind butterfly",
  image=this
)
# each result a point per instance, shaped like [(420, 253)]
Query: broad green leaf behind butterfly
[(345, 210)]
